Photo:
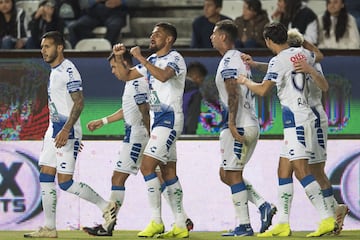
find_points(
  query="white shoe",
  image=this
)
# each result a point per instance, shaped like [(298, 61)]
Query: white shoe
[(43, 232), (341, 211), (109, 215)]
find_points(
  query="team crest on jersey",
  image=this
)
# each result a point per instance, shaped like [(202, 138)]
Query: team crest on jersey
[(155, 102)]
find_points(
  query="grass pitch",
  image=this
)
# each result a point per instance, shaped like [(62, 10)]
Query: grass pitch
[(129, 235)]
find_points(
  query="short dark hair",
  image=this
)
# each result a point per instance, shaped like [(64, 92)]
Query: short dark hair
[(254, 5), (127, 57), (168, 28), (229, 27), (56, 36), (197, 67), (276, 32), (218, 3)]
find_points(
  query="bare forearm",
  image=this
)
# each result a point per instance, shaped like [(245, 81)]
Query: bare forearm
[(74, 114), (116, 116), (144, 109), (160, 74)]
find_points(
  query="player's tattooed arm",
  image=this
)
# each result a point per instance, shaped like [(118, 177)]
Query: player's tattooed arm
[(62, 137), (233, 103)]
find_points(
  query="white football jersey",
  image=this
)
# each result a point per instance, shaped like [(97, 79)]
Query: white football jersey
[(64, 80), (231, 66), (135, 93), (292, 87), (166, 97)]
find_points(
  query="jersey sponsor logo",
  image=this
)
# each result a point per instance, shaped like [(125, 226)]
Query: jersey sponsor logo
[(297, 57), (20, 194)]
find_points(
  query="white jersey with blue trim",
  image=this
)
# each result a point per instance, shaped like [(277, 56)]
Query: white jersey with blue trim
[(64, 80), (166, 97), (135, 93), (231, 66), (292, 87)]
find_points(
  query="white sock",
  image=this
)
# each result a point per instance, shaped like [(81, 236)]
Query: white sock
[(240, 201), (285, 196), (85, 192), (329, 199), (253, 195), (154, 196), (117, 195), (175, 194), (313, 191), (48, 197)]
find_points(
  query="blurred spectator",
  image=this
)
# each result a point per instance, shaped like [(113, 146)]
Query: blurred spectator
[(108, 13), (12, 28), (196, 73), (68, 10), (203, 26), (337, 28), (353, 7), (45, 19), (251, 25), (296, 14)]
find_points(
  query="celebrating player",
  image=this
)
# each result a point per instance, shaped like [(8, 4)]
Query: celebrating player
[(62, 138), (240, 133), (165, 71), (298, 119)]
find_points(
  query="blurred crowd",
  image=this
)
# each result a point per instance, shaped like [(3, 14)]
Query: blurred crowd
[(336, 28)]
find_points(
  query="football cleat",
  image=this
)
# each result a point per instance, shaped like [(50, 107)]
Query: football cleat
[(109, 215), (341, 211), (240, 231), (189, 224), (267, 212), (279, 230), (326, 226), (43, 232), (152, 229), (175, 232), (97, 231)]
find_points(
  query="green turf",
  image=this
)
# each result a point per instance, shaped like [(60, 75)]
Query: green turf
[(129, 235)]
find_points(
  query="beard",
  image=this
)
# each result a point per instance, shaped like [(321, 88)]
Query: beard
[(51, 58)]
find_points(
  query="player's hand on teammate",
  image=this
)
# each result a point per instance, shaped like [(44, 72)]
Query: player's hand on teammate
[(95, 124), (247, 59), (302, 66), (241, 79)]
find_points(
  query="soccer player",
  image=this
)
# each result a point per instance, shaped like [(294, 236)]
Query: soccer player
[(298, 119), (165, 71), (62, 138), (135, 113), (317, 84), (240, 133)]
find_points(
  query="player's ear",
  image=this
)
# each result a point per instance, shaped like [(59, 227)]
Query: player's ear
[(60, 48)]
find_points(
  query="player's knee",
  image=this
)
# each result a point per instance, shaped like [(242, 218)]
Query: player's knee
[(43, 177), (66, 185)]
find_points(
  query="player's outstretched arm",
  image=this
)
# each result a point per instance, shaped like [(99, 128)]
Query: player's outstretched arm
[(98, 123), (261, 66), (260, 89)]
